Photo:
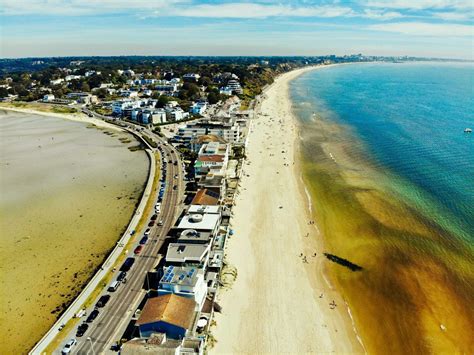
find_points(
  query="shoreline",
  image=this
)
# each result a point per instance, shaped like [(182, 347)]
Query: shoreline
[(281, 216)]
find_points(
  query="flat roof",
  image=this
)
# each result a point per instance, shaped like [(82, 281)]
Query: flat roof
[(204, 222), (210, 209), (180, 275), (193, 236), (183, 252)]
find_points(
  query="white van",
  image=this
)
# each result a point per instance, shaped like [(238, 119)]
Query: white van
[(113, 286)]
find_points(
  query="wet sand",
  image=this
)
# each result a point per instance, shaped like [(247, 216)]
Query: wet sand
[(68, 191)]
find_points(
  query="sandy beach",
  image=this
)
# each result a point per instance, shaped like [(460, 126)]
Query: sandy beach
[(61, 213), (281, 299)]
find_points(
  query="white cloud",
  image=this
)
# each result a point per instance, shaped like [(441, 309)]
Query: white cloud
[(249, 10), (453, 16), (81, 7), (426, 29), (381, 15), (420, 4)]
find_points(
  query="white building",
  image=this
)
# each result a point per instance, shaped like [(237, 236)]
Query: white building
[(185, 282), (165, 86), (56, 81), (128, 93), (230, 132), (48, 98), (198, 108), (234, 85), (212, 158), (72, 77)]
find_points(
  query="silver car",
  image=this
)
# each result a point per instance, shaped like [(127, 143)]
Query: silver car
[(67, 348)]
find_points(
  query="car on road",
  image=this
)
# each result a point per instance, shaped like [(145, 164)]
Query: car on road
[(103, 300), (143, 240), (151, 224), (113, 286), (175, 163), (82, 329), (127, 264), (160, 223), (121, 276), (154, 217), (67, 348), (147, 232), (92, 316), (176, 176), (138, 249), (175, 187)]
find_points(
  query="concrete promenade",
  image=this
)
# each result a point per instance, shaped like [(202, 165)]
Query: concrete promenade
[(107, 266)]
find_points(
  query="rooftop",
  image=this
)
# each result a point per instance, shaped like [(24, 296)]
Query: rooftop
[(203, 222), (170, 308), (180, 275), (205, 197), (186, 253), (193, 236), (204, 209)]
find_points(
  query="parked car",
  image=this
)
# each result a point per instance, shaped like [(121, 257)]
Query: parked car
[(151, 224), (82, 329), (147, 232), (154, 217), (121, 276), (127, 264), (175, 187), (113, 286), (138, 249), (144, 240), (103, 301), (67, 348), (92, 316)]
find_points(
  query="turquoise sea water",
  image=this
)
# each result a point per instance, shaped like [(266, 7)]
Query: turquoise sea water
[(410, 119)]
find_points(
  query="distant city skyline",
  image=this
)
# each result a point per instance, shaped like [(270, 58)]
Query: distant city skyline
[(429, 28)]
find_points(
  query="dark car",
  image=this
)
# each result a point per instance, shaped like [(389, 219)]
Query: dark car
[(127, 264), (175, 187), (144, 240), (82, 329), (103, 301), (121, 276), (92, 316), (175, 163), (154, 217), (151, 224)]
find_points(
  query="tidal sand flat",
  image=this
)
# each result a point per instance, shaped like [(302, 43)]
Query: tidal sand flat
[(68, 192), (280, 301), (390, 173)]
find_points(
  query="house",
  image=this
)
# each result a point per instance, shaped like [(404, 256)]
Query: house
[(213, 182), (48, 98), (198, 108), (165, 86), (159, 343), (169, 314), (198, 141), (128, 93), (200, 221), (225, 90), (56, 81), (193, 77), (72, 77), (185, 254), (234, 85), (184, 281), (212, 156), (175, 114), (205, 197), (192, 236), (83, 97)]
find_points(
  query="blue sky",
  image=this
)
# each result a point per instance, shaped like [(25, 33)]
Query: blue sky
[(439, 28)]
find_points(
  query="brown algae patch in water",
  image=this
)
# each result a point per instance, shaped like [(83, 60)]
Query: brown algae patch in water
[(398, 299)]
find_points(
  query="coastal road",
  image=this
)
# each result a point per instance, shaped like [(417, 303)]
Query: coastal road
[(113, 319)]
